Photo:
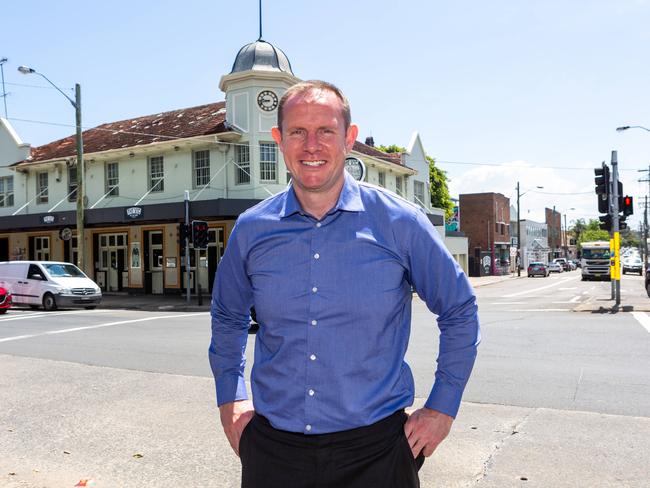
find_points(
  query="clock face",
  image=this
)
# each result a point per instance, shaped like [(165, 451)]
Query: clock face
[(355, 167), (267, 100)]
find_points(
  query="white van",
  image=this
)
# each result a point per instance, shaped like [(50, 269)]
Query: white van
[(50, 284)]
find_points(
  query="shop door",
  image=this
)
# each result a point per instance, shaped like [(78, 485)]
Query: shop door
[(156, 262), (4, 249), (113, 275)]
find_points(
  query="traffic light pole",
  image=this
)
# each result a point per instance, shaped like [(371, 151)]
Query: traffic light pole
[(616, 280), (187, 245)]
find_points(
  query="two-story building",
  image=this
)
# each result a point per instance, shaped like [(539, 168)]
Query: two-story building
[(137, 172)]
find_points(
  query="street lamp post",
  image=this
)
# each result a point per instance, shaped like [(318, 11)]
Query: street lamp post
[(645, 212), (566, 235), (76, 103), (519, 256)]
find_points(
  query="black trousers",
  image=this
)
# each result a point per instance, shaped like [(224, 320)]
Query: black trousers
[(376, 456)]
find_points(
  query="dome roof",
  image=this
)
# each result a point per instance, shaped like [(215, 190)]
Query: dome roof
[(261, 56)]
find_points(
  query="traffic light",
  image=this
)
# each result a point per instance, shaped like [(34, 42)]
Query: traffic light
[(200, 234), (602, 188), (628, 206), (184, 232), (605, 222)]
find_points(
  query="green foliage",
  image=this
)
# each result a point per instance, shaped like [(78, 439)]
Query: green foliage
[(439, 189), (594, 235), (393, 148)]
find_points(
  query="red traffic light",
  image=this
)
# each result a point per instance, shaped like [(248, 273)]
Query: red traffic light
[(628, 205)]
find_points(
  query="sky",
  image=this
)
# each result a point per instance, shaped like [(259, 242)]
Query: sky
[(500, 92)]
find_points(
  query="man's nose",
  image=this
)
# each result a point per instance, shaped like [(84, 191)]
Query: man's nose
[(311, 141)]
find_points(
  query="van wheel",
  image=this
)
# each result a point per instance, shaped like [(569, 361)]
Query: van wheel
[(49, 303)]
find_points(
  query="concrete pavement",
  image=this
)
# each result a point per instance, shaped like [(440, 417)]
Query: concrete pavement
[(64, 422)]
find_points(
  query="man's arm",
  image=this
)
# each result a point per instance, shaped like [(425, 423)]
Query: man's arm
[(231, 303), (442, 284)]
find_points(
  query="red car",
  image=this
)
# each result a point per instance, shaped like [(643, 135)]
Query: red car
[(5, 300)]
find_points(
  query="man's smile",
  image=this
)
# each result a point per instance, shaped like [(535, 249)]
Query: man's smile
[(313, 164)]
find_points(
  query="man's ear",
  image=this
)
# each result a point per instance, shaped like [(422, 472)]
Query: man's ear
[(277, 135), (351, 137)]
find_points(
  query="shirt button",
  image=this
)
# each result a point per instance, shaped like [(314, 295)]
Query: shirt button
[(318, 224), (314, 322), (314, 289), (307, 427), (316, 256), (311, 392), (313, 357)]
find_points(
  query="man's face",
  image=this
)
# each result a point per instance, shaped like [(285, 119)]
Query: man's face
[(314, 141)]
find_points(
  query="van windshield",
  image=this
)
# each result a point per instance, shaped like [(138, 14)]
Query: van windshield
[(63, 271)]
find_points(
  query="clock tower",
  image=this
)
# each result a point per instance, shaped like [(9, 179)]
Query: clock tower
[(259, 77)]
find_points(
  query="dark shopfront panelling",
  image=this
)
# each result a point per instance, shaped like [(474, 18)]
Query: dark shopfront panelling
[(205, 209)]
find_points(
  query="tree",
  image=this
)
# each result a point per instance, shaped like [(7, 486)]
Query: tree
[(438, 187), (591, 232)]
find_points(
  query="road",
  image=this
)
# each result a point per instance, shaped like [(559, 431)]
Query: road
[(126, 397)]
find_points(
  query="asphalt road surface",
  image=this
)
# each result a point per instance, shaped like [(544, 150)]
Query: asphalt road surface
[(104, 386)]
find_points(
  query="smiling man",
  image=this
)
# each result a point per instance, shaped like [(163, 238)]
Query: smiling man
[(329, 265)]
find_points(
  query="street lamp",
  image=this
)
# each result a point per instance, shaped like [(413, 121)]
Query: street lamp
[(76, 103), (645, 211), (519, 257)]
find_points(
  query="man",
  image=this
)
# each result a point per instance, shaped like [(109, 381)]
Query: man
[(328, 265)]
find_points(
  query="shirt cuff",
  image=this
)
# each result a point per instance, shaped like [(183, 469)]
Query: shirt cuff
[(230, 389), (444, 398)]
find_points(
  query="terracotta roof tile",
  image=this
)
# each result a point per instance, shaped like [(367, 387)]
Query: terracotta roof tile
[(376, 153), (177, 124)]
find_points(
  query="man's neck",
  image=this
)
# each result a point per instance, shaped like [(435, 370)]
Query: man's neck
[(317, 204)]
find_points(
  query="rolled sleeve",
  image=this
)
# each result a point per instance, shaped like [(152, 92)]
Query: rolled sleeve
[(230, 311)]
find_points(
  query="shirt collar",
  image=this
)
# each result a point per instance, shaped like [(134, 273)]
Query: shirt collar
[(349, 199)]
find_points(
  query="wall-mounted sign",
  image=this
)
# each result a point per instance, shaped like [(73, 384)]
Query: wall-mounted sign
[(65, 234), (134, 213), (135, 255), (355, 167), (48, 219)]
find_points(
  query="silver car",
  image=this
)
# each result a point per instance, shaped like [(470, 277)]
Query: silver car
[(555, 267)]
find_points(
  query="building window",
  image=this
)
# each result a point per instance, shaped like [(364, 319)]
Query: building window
[(201, 162), (112, 187), (382, 179), (398, 185), (42, 248), (72, 184), (268, 162), (7, 191), (156, 174), (243, 162), (41, 188), (418, 189)]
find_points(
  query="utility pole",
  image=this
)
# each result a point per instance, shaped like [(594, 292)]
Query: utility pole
[(645, 219), (519, 256), (187, 246)]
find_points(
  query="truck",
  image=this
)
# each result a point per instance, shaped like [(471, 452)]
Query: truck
[(594, 260)]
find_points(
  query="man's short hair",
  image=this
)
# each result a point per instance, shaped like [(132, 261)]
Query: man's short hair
[(309, 85)]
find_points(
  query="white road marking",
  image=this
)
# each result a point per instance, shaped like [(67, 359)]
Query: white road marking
[(575, 299), (49, 314), (539, 310), (538, 289), (508, 303), (643, 319), (98, 326), (568, 288)]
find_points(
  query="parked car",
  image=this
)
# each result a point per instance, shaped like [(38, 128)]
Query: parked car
[(537, 269), (5, 300), (576, 262), (633, 265), (564, 263), (555, 268), (49, 284)]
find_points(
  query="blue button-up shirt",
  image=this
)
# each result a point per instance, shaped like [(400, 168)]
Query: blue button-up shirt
[(333, 300)]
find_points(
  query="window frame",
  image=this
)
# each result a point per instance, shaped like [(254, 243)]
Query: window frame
[(72, 197), (242, 164), (268, 167), (113, 191), (205, 178), (45, 197), (419, 191), (6, 194), (153, 180)]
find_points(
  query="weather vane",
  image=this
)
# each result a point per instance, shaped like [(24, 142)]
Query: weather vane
[(260, 38)]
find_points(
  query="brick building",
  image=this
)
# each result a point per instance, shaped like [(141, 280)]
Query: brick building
[(554, 224), (485, 220)]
